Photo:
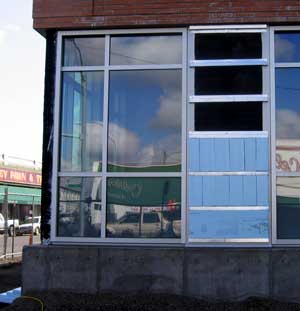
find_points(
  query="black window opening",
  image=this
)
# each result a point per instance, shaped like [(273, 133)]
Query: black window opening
[(228, 46), (237, 116), (234, 80)]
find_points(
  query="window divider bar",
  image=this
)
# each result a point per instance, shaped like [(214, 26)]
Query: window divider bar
[(229, 208), (83, 68), (228, 98), (246, 173), (287, 65), (145, 67), (228, 62)]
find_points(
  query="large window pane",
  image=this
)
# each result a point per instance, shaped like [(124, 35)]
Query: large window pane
[(287, 47), (82, 121), (145, 49), (228, 46), (238, 116), (143, 208), (288, 119), (79, 213), (228, 80), (288, 207), (144, 121), (88, 51)]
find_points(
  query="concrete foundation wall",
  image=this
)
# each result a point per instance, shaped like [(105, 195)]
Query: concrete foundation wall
[(219, 273)]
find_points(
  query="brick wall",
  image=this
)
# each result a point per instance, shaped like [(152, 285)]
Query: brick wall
[(142, 13)]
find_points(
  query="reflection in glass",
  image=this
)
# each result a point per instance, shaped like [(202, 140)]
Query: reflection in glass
[(228, 46), (228, 80), (79, 213), (145, 49), (82, 121), (144, 131), (143, 208), (288, 207), (236, 116), (287, 47), (84, 51), (287, 81)]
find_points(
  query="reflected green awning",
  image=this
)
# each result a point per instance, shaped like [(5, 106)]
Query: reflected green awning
[(21, 195)]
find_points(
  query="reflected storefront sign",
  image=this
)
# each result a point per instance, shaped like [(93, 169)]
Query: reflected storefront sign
[(143, 191), (288, 155)]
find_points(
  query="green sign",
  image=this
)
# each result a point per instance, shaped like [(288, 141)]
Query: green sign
[(150, 191)]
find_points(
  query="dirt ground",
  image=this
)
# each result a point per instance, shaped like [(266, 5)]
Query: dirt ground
[(10, 277), (59, 301)]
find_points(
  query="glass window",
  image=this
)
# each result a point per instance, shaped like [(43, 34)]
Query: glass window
[(143, 207), (144, 132), (228, 46), (237, 116), (228, 80), (288, 207), (287, 119), (145, 49), (79, 213), (287, 47), (81, 121), (83, 51)]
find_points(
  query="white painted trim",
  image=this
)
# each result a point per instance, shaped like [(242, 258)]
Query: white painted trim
[(231, 173), (228, 62), (258, 240), (228, 98), (229, 134), (184, 138), (148, 31), (229, 31), (239, 27), (229, 208), (56, 121)]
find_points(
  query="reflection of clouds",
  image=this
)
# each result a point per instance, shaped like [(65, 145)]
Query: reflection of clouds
[(284, 49), (91, 50), (165, 151), (123, 144), (169, 112), (2, 36), (146, 50), (288, 124)]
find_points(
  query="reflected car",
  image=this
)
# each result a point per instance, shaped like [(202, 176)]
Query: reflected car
[(26, 227), (153, 225)]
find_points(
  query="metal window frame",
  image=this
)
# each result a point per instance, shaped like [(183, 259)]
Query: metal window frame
[(273, 65), (264, 98), (104, 174)]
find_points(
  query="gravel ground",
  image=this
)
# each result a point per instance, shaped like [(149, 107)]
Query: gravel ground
[(113, 302)]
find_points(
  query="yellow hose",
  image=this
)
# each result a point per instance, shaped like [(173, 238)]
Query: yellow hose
[(36, 299)]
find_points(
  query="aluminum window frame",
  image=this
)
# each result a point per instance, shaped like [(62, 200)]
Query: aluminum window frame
[(265, 98), (273, 65), (104, 174)]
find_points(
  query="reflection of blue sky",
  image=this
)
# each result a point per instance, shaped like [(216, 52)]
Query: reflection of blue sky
[(287, 47), (79, 90), (288, 102), (148, 105)]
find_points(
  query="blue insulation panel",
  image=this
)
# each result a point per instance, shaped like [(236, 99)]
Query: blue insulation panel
[(228, 190), (228, 154), (229, 224), (195, 190)]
